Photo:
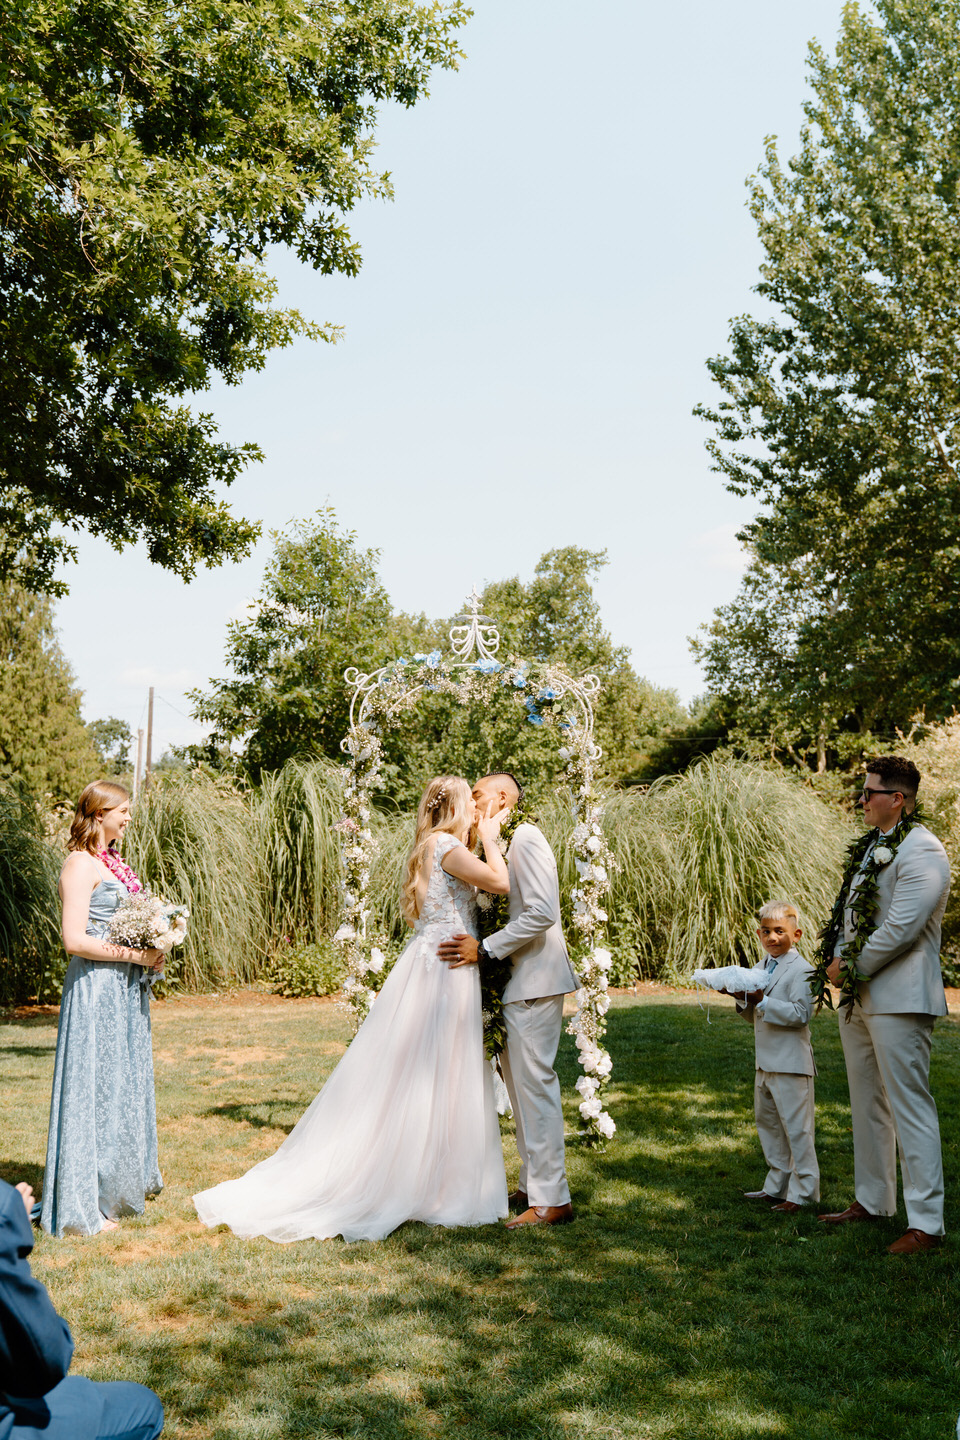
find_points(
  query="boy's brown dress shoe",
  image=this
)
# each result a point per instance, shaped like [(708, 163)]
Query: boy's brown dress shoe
[(543, 1215), (913, 1242), (844, 1217), (789, 1207)]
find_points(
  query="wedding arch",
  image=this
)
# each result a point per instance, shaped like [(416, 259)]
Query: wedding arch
[(546, 694)]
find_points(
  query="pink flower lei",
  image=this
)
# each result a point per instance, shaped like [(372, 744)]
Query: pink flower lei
[(116, 866)]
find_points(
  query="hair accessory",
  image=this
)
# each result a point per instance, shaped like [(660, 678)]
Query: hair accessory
[(438, 799)]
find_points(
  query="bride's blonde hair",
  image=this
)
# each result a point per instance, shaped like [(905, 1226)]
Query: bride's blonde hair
[(446, 807)]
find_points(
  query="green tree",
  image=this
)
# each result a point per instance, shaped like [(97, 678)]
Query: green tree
[(111, 738), (152, 152), (44, 744), (841, 409), (321, 609)]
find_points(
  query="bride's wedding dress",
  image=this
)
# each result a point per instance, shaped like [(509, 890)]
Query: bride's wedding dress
[(406, 1126)]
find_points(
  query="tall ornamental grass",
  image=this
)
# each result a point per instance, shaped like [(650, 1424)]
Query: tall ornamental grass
[(194, 839), (695, 856), (30, 948), (293, 815)]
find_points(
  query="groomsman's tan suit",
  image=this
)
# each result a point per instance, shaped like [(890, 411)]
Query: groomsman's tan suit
[(886, 1043), (533, 1013)]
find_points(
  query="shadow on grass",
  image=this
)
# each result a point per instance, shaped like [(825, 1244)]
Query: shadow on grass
[(13, 1171), (670, 1308), (29, 1022), (259, 1114)]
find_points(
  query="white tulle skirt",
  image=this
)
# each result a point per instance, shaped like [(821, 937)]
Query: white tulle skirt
[(404, 1129)]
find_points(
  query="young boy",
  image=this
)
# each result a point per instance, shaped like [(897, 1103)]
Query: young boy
[(783, 1092)]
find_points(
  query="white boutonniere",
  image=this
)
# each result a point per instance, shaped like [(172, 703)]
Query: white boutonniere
[(882, 855)]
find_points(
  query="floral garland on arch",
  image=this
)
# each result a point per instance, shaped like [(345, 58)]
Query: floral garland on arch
[(593, 960), (358, 849), (546, 695), (864, 902)]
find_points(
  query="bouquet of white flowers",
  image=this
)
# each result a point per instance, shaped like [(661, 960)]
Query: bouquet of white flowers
[(735, 979), (144, 921)]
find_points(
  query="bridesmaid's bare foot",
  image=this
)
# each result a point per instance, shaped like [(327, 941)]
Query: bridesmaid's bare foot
[(106, 1224)]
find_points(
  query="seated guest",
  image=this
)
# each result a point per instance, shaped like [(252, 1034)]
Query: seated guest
[(37, 1398)]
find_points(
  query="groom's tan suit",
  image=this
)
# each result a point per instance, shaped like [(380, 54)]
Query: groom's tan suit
[(887, 1041), (533, 1013)]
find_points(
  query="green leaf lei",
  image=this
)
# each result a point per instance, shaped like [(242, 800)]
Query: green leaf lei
[(495, 972), (864, 904)]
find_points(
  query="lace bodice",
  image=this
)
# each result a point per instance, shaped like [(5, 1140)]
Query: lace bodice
[(449, 902)]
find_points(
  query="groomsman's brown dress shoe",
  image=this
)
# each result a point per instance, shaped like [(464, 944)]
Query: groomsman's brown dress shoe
[(517, 1200), (788, 1207), (844, 1217), (762, 1195), (543, 1215), (913, 1242)]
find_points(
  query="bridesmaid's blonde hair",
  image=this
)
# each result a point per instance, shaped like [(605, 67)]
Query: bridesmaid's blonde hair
[(85, 829), (446, 807)]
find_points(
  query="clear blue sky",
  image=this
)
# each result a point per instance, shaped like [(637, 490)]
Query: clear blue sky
[(524, 344)]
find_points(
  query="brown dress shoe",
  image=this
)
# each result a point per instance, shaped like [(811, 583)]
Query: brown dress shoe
[(517, 1200), (788, 1207), (913, 1242), (762, 1195), (543, 1215), (844, 1217)]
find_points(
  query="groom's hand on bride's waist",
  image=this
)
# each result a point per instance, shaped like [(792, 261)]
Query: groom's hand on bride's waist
[(458, 950)]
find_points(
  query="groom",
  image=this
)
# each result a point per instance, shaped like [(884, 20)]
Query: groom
[(532, 1008)]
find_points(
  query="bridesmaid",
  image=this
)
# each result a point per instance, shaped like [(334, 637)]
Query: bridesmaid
[(102, 1142)]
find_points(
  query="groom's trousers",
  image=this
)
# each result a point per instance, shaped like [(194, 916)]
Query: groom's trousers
[(891, 1109), (533, 1035)]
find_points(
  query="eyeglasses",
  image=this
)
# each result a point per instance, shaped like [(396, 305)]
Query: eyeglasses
[(865, 794)]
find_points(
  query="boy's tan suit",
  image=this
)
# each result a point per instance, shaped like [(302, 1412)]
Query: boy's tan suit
[(783, 1088)]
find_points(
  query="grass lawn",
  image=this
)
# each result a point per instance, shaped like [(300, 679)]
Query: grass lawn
[(671, 1308)]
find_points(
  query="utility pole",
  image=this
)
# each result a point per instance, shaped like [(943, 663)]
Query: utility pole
[(146, 778), (137, 772)]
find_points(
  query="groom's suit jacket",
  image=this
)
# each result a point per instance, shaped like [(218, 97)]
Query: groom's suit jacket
[(533, 938), (902, 956)]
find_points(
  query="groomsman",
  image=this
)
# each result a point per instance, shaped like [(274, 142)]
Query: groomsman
[(532, 1009), (887, 1039)]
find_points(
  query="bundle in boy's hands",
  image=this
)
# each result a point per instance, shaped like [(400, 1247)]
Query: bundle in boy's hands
[(145, 921), (735, 979)]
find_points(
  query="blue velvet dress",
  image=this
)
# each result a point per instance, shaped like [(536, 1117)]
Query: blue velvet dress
[(102, 1142)]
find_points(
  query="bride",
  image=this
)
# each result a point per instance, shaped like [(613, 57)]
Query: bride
[(406, 1126)]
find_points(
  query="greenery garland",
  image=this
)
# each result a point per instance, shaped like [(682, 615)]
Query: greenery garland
[(864, 904), (493, 914)]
